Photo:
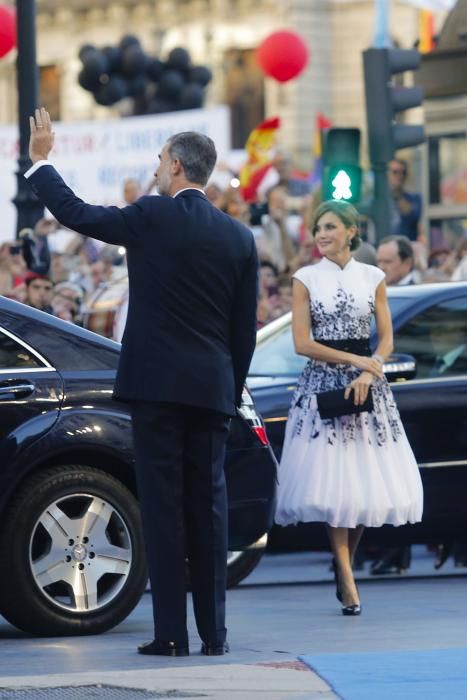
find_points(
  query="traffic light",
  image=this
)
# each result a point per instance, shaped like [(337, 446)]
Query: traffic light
[(342, 178), (384, 99)]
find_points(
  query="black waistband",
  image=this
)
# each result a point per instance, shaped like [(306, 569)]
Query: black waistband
[(358, 346)]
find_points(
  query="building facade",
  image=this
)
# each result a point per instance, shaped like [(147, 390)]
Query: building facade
[(223, 35)]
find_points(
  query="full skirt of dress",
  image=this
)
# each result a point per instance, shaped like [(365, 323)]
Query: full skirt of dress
[(348, 471)]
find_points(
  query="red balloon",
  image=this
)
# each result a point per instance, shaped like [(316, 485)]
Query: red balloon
[(7, 29), (282, 55)]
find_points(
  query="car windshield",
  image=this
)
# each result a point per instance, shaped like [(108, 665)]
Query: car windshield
[(275, 355)]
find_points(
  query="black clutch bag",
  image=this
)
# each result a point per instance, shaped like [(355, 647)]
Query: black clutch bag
[(332, 404)]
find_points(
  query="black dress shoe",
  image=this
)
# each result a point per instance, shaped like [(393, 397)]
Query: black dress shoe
[(352, 610), (215, 649), (161, 648), (392, 560)]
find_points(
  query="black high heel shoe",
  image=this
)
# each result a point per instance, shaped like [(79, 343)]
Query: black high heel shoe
[(336, 580), (352, 610), (355, 609)]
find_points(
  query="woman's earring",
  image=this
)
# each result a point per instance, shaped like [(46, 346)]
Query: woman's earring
[(349, 241)]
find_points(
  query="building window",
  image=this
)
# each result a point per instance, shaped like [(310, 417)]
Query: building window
[(49, 87), (448, 169)]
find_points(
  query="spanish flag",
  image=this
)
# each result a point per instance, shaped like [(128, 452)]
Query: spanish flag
[(259, 148), (426, 31)]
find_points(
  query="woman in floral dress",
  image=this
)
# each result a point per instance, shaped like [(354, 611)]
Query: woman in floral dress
[(356, 470)]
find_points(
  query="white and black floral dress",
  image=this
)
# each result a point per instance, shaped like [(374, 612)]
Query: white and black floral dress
[(357, 469)]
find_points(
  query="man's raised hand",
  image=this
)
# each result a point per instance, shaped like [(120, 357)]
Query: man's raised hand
[(42, 137)]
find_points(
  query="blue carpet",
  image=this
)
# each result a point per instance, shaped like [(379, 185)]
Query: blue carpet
[(428, 674)]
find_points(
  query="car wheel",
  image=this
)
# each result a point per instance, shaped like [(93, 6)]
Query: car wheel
[(71, 553), (241, 564)]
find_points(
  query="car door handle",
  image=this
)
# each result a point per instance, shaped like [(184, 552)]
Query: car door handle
[(16, 390)]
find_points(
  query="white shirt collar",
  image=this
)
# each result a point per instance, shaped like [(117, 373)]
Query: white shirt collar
[(198, 189), (408, 279), (325, 262)]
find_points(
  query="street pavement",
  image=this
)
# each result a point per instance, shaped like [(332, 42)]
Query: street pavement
[(284, 609)]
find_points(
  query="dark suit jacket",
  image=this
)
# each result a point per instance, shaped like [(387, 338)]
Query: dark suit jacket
[(191, 327)]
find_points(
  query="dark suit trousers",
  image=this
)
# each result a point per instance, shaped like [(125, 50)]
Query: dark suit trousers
[(180, 452)]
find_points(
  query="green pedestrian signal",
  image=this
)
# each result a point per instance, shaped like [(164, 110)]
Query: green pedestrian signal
[(344, 182), (342, 177)]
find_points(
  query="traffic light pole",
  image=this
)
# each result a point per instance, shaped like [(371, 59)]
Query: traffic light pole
[(385, 98), (28, 205), (380, 207)]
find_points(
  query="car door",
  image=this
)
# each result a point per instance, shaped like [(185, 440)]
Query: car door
[(30, 397), (433, 406)]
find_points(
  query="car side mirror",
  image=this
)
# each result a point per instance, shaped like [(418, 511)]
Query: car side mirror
[(399, 367)]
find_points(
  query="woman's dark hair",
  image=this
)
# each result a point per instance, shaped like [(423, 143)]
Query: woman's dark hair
[(344, 211), (197, 154)]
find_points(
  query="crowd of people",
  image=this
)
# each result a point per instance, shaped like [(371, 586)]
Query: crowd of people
[(65, 274)]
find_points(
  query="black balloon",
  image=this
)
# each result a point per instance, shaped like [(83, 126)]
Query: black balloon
[(103, 96), (134, 61), (154, 68), (95, 64), (200, 75), (191, 96), (129, 40), (112, 91), (125, 70), (118, 87), (114, 58), (179, 59), (137, 86), (88, 82), (170, 84), (86, 48)]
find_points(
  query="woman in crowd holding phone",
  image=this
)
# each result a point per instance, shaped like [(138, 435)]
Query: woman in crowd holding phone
[(346, 459)]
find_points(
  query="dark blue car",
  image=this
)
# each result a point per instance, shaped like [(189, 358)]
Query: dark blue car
[(428, 371), (71, 550)]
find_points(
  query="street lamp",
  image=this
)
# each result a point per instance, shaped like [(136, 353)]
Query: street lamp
[(28, 205)]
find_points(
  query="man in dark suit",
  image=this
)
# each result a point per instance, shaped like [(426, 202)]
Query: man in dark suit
[(186, 349)]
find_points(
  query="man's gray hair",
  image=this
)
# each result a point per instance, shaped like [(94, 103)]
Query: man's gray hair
[(197, 154)]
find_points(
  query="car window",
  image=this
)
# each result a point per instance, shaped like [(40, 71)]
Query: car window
[(437, 338), (15, 356), (276, 355), (397, 305)]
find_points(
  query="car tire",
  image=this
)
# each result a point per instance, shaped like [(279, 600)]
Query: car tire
[(71, 553), (241, 564)]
